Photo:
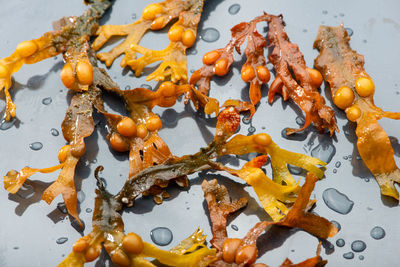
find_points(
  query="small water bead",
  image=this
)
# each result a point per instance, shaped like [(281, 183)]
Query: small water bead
[(305, 30), (61, 207), (337, 201), (294, 169), (88, 210), (128, 87), (340, 242), (377, 233), (246, 120), (251, 130), (234, 227), (300, 121), (61, 240), (348, 255), (161, 236), (209, 35), (345, 157), (366, 180), (192, 70), (324, 151), (54, 132), (234, 9), (192, 51), (80, 196), (334, 170), (349, 31), (133, 16), (358, 246), (36, 146), (324, 12), (361, 257), (337, 225), (338, 164), (15, 248), (5, 125), (47, 101), (146, 86), (341, 14)]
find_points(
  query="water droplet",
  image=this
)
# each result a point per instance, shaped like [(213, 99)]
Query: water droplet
[(61, 207), (5, 125), (246, 120), (341, 14), (364, 41), (369, 208), (251, 130), (294, 169), (324, 12), (337, 225), (192, 70), (346, 132), (192, 51), (358, 246), (305, 30), (128, 87), (146, 86), (61, 240), (348, 255), (15, 248), (36, 146), (263, 128), (345, 158), (361, 257), (80, 196), (338, 164), (54, 132), (234, 9), (234, 227), (324, 151), (47, 101), (300, 121), (88, 210), (377, 233), (334, 170), (337, 201), (170, 117), (161, 236), (133, 16), (209, 35), (340, 242)]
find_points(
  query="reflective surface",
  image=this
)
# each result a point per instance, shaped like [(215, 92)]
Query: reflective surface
[(36, 234)]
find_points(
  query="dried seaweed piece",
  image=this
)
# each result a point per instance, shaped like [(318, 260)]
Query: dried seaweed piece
[(70, 37), (218, 62), (129, 249), (344, 70), (298, 217), (219, 206), (293, 81), (182, 35)]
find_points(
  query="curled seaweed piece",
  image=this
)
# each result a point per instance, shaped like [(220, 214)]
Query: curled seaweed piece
[(244, 251), (294, 81), (70, 37), (353, 91), (182, 35), (218, 62)]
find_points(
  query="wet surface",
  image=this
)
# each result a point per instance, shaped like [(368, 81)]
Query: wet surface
[(31, 227)]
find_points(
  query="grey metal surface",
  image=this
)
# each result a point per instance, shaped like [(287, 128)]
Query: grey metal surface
[(29, 228)]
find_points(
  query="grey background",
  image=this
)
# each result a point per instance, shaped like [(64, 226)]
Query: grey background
[(29, 228)]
